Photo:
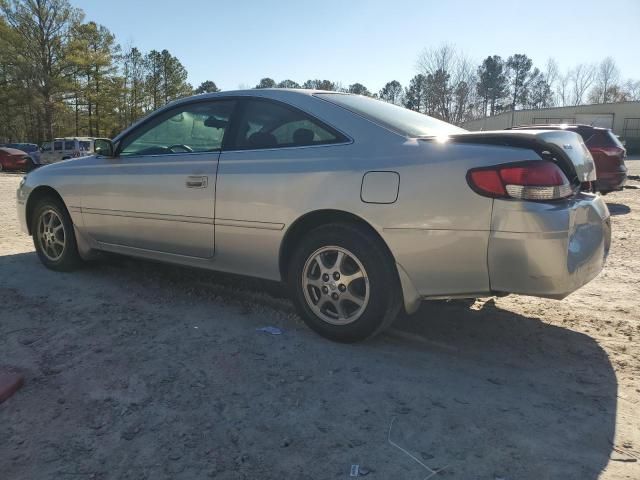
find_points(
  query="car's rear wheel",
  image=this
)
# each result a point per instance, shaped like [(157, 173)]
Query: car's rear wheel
[(344, 283), (53, 236)]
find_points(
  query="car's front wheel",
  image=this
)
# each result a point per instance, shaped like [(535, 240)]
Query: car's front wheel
[(53, 236), (344, 283)]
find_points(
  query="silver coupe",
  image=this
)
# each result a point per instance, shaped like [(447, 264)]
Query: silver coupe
[(361, 207)]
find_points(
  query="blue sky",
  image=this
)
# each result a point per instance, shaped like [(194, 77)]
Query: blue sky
[(235, 43)]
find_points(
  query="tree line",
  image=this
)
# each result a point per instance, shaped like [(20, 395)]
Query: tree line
[(61, 75)]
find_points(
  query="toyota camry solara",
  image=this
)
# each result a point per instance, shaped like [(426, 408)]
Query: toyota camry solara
[(361, 207)]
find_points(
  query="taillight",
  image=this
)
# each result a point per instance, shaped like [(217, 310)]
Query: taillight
[(536, 180), (611, 151)]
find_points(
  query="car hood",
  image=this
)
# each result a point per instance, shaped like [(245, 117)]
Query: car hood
[(12, 152), (559, 145)]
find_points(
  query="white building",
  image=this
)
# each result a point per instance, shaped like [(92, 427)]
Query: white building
[(623, 118)]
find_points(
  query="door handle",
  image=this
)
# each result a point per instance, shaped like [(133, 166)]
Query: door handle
[(197, 182)]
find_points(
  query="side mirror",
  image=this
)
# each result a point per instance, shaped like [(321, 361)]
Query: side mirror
[(104, 147)]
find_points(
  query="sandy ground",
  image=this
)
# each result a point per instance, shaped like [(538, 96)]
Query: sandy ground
[(144, 371)]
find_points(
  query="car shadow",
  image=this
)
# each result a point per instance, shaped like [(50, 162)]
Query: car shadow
[(478, 390), (618, 209)]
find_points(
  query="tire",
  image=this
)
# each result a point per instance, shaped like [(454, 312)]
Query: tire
[(54, 237), (366, 274)]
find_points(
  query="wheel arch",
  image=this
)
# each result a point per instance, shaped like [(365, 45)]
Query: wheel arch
[(35, 196), (307, 222)]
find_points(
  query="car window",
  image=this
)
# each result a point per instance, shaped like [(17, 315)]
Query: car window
[(603, 139), (399, 119), (69, 145), (57, 146), (195, 127), (85, 145), (46, 146), (265, 124)]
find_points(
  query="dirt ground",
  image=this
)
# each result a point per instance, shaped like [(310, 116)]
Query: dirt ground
[(142, 371)]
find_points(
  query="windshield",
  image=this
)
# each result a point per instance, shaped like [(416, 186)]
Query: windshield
[(398, 119)]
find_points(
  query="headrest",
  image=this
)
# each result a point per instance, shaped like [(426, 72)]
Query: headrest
[(262, 140), (303, 136)]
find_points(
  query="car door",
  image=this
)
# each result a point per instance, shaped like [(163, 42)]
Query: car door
[(268, 161), (158, 192)]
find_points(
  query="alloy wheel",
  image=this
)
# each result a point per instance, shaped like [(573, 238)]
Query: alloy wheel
[(51, 235), (335, 285)]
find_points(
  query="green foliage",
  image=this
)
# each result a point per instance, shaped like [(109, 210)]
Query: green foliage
[(60, 76), (392, 92), (266, 83), (415, 96), (359, 89), (208, 86), (319, 85), (492, 83), (521, 75), (288, 84)]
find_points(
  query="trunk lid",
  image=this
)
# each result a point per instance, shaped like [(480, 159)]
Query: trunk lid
[(563, 147)]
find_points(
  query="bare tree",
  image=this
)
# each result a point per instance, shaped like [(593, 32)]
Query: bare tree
[(632, 88), (607, 77), (563, 88), (582, 77), (451, 79), (552, 74)]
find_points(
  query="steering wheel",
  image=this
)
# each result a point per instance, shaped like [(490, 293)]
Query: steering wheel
[(186, 148)]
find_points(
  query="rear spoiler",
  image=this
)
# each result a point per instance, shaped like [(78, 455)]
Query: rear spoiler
[(567, 149)]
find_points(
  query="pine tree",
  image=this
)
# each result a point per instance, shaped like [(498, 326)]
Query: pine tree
[(492, 84)]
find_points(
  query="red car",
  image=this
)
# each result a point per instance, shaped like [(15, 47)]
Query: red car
[(607, 152), (12, 159)]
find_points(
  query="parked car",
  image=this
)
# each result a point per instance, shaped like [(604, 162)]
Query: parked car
[(66, 148), (359, 206), (12, 159), (606, 148), (31, 148)]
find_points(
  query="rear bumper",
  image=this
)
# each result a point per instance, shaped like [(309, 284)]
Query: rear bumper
[(610, 181), (547, 250)]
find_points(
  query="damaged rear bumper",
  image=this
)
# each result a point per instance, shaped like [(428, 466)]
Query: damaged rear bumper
[(547, 249)]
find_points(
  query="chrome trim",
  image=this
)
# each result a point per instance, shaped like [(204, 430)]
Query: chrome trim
[(228, 222), (149, 216)]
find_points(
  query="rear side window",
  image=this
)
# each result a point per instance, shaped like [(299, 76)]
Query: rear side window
[(69, 145), (399, 119), (57, 146), (266, 124), (85, 146), (603, 139)]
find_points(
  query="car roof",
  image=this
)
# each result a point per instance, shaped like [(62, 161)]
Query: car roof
[(60, 139), (273, 93), (556, 126)]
